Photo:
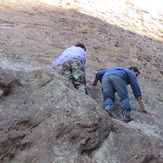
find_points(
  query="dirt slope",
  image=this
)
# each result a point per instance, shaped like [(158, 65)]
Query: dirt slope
[(35, 101)]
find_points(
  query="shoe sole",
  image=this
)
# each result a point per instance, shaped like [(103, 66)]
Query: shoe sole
[(126, 121)]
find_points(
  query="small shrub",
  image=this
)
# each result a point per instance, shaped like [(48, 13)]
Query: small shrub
[(44, 25), (122, 36), (160, 99)]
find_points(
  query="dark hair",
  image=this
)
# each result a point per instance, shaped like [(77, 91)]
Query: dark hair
[(81, 45), (135, 69)]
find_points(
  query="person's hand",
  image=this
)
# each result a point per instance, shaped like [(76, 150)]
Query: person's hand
[(143, 106), (147, 111), (91, 81)]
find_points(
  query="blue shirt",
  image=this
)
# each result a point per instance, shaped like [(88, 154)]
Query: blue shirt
[(71, 53), (125, 74)]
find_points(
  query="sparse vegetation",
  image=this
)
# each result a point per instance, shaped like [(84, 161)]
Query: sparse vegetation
[(30, 37), (43, 25), (122, 36), (160, 99)]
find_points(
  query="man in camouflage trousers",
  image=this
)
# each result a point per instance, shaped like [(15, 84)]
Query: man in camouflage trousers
[(73, 61), (73, 70)]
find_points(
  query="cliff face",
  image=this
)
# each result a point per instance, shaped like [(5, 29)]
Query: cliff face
[(43, 118)]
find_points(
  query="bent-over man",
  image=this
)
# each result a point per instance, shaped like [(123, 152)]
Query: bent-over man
[(73, 61), (116, 80)]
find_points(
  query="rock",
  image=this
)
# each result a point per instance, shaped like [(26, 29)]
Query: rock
[(43, 118), (52, 118), (1, 92)]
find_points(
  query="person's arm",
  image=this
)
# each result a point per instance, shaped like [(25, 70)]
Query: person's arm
[(142, 105), (98, 77), (57, 62)]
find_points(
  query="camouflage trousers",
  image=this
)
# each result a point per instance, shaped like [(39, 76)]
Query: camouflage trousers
[(73, 70)]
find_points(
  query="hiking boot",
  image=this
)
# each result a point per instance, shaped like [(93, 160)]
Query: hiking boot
[(111, 113), (127, 117)]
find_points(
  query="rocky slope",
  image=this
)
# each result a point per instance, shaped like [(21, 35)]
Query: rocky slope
[(42, 117)]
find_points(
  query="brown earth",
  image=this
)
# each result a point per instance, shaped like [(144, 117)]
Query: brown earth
[(42, 117)]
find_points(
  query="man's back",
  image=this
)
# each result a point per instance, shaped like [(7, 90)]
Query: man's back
[(71, 53)]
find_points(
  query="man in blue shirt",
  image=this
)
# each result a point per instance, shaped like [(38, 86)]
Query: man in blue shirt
[(116, 80), (73, 61)]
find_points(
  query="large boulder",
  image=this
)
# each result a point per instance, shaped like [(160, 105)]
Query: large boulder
[(45, 119)]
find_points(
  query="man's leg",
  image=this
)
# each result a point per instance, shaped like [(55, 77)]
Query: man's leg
[(108, 92), (66, 70), (78, 73), (121, 88), (108, 95)]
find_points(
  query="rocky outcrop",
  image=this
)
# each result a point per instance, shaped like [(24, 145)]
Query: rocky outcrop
[(45, 119)]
